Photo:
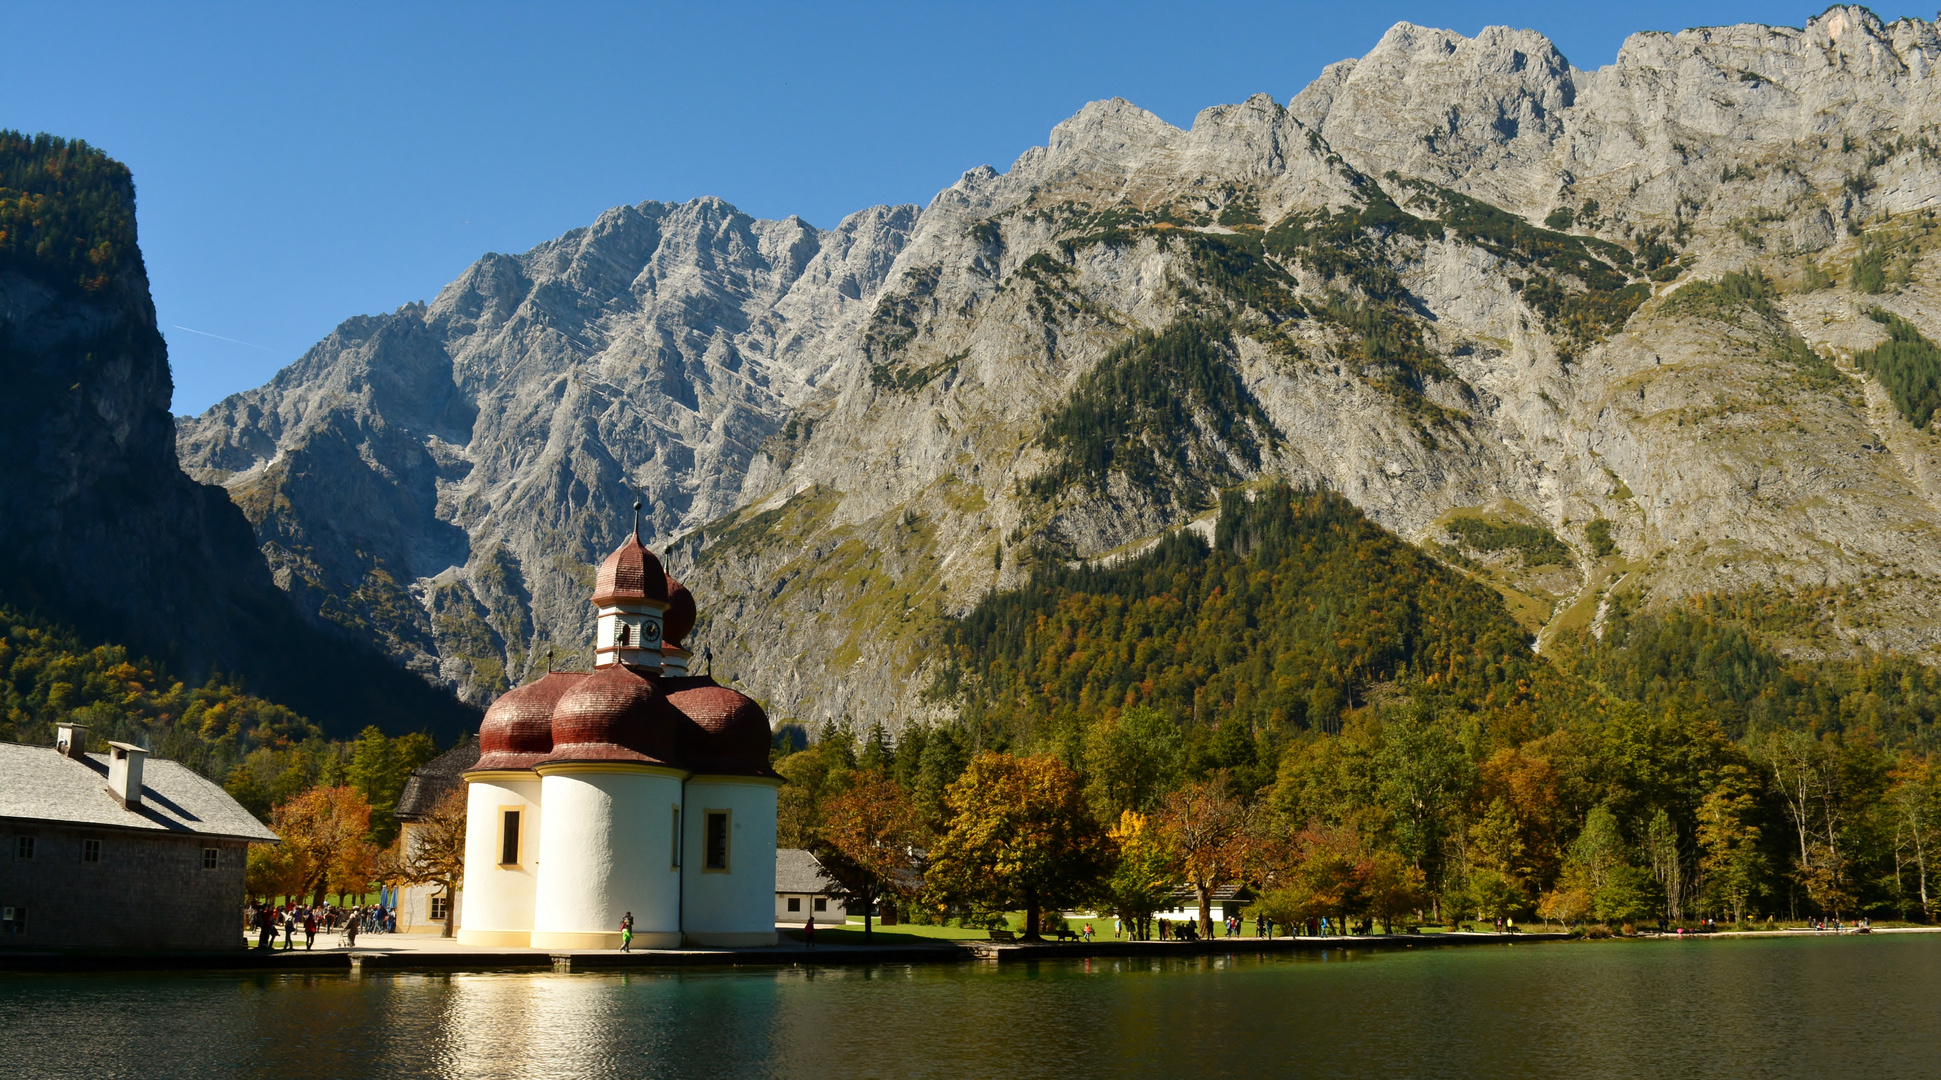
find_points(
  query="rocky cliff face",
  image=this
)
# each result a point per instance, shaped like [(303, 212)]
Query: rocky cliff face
[(99, 527), (439, 478), (1457, 280)]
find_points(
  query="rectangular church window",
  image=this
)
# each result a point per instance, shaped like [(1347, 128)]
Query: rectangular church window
[(717, 840), (509, 838)]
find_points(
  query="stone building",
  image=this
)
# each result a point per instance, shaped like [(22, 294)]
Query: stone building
[(421, 908), (635, 787), (117, 850), (804, 889)]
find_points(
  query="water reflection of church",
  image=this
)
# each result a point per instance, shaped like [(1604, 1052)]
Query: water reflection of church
[(635, 787)]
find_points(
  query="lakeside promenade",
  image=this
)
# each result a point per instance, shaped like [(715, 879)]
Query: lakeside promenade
[(421, 952), (426, 953)]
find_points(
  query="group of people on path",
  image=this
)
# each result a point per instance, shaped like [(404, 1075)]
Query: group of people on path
[(267, 918), (1233, 926)]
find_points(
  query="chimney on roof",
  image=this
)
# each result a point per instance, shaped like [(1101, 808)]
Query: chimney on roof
[(71, 739), (125, 774)]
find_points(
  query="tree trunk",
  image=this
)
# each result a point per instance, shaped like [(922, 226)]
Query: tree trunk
[(1921, 868), (1206, 910), (451, 906), (869, 912), (1031, 916)]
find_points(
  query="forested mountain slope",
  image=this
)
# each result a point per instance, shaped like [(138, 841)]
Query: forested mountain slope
[(99, 528), (1601, 340), (1395, 749)]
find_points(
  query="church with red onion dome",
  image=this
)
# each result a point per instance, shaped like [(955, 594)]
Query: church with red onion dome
[(635, 787)]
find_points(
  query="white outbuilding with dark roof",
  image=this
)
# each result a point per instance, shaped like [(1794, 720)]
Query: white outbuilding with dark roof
[(803, 888), (118, 850)]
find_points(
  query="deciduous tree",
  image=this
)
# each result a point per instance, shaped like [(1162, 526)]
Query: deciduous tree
[(1728, 834), (868, 840), (1131, 761), (325, 833), (1020, 836), (1207, 827), (1142, 878), (1915, 804)]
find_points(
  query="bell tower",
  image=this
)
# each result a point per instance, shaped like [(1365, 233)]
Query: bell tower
[(630, 596)]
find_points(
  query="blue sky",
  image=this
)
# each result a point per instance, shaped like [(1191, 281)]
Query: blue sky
[(300, 164)]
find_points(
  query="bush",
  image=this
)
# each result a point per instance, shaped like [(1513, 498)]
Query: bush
[(1539, 547), (1870, 271), (1599, 534)]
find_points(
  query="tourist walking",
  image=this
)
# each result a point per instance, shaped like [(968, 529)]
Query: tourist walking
[(808, 932), (265, 929), (627, 932), (289, 929), (350, 929), (309, 929)]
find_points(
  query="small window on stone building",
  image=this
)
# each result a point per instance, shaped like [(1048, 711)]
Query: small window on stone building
[(821, 904), (437, 909), (795, 903), (509, 838), (23, 847), (717, 840), (90, 850), (210, 857), (13, 920)]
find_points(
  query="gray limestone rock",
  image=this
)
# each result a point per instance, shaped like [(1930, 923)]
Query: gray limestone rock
[(439, 477), (845, 437)]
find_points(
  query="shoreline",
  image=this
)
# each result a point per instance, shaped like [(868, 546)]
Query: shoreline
[(444, 955), (440, 955)]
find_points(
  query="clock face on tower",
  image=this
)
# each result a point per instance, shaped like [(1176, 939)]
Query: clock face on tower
[(649, 633)]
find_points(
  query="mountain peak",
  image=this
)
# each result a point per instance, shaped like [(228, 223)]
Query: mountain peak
[(842, 434)]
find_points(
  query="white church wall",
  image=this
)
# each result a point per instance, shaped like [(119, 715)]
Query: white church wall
[(732, 905), (607, 835), (499, 899)]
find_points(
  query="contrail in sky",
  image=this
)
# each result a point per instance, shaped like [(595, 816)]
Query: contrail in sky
[(219, 337)]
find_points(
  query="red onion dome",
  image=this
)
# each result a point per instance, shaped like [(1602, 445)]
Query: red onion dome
[(518, 728), (631, 573), (614, 714), (728, 733), (678, 621)]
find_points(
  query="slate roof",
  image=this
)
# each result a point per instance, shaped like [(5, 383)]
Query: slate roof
[(38, 784), (1184, 896), (429, 782), (798, 871)]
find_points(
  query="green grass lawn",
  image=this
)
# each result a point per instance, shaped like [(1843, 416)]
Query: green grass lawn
[(901, 934)]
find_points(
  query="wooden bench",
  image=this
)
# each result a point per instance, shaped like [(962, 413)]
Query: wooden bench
[(1065, 933), (1003, 935)]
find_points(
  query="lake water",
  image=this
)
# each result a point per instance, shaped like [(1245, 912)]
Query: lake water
[(1832, 1008)]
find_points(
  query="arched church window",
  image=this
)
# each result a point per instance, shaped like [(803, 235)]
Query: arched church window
[(623, 639)]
